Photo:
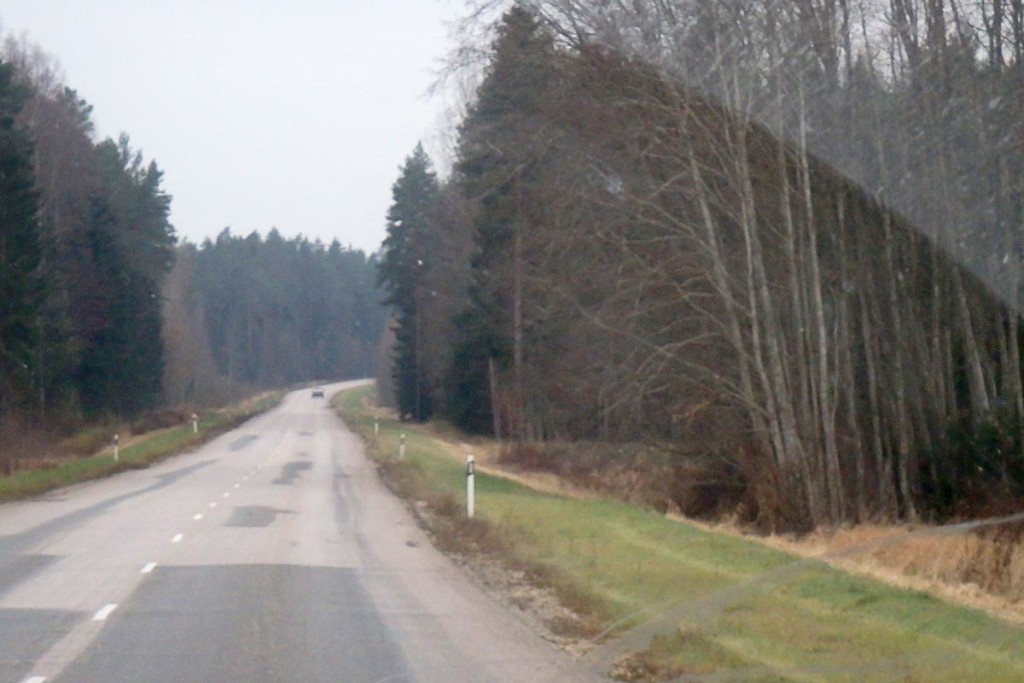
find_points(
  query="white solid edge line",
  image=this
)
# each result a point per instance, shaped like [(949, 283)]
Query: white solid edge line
[(149, 568), (104, 612), (177, 538)]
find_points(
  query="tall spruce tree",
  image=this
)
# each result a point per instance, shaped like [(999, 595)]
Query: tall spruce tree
[(130, 245), (403, 265), (505, 135), (20, 285)]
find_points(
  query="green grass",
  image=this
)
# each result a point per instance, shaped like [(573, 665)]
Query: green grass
[(144, 452), (730, 606)]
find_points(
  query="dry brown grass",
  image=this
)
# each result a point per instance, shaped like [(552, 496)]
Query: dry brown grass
[(980, 565), (24, 446), (33, 461)]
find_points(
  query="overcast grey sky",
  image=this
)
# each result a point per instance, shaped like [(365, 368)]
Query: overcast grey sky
[(287, 113)]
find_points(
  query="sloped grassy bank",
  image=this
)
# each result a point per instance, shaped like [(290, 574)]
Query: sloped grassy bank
[(662, 600), (140, 452)]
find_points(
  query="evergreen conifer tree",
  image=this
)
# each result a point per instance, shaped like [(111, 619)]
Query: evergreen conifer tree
[(501, 142), (20, 286), (402, 267), (130, 245)]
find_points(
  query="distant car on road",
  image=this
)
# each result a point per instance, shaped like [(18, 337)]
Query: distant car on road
[(318, 393)]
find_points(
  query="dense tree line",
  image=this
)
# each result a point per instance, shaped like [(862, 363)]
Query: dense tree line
[(254, 312), (20, 288), (785, 234), (86, 242), (104, 315)]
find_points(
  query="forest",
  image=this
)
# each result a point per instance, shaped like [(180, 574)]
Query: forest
[(245, 312), (779, 241), (105, 315), (782, 239), (86, 242)]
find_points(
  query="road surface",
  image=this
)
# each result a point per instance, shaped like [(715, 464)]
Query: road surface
[(272, 554)]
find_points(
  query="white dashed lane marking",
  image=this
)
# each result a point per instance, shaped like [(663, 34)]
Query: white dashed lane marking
[(177, 538), (104, 612), (198, 516), (35, 679), (213, 505), (149, 568)]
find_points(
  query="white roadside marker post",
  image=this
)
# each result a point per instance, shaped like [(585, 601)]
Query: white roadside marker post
[(401, 447), (195, 423), (470, 486), (117, 449)]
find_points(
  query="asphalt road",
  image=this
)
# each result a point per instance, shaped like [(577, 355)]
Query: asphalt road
[(271, 554)]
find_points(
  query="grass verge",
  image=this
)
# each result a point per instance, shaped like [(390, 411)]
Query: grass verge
[(680, 602), (142, 452)]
